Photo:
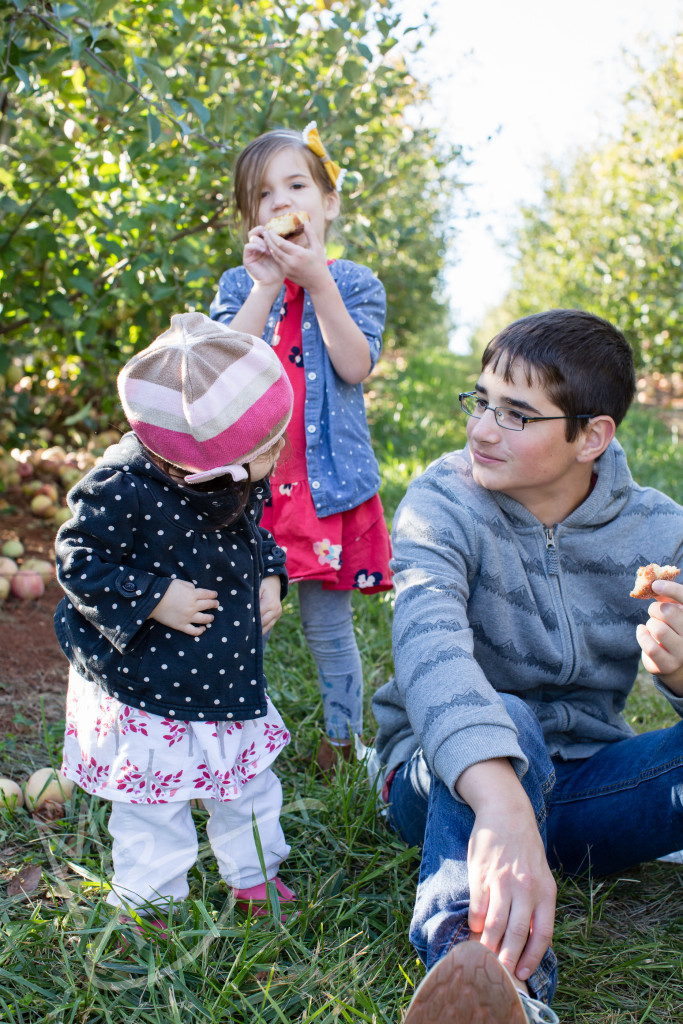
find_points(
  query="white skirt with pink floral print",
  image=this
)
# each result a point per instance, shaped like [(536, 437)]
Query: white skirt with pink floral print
[(122, 753)]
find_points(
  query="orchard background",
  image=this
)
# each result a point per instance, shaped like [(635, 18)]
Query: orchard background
[(119, 126)]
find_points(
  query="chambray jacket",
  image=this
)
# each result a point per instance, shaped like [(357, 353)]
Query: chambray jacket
[(488, 599), (342, 468), (133, 531)]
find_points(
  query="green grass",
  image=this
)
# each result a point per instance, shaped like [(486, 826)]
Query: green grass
[(347, 958)]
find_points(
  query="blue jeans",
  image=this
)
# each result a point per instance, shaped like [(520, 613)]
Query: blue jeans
[(603, 814)]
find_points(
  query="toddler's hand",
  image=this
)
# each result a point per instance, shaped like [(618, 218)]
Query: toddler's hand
[(304, 261), (270, 604), (661, 637), (258, 261), (185, 607)]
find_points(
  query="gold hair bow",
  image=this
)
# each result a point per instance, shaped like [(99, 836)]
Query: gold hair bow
[(312, 140)]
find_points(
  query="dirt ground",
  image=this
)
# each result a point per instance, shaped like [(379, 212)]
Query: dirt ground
[(33, 670)]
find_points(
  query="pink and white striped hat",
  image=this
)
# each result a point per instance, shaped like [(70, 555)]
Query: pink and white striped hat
[(206, 398)]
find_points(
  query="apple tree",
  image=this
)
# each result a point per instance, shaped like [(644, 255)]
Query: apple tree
[(119, 126), (608, 234)]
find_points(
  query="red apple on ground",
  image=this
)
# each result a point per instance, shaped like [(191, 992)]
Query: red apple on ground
[(40, 565), (50, 490), (27, 584)]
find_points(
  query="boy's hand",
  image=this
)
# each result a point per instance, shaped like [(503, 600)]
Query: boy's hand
[(270, 604), (185, 607), (661, 637), (512, 889)]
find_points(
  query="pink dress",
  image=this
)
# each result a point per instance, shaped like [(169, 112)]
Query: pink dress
[(347, 550)]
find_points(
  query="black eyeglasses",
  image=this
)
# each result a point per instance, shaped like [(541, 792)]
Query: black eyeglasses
[(474, 405)]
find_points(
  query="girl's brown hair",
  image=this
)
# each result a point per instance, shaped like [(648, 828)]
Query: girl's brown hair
[(250, 170)]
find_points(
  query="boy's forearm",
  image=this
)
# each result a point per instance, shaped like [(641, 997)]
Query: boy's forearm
[(488, 783)]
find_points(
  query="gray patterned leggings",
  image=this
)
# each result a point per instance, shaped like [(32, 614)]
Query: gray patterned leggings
[(327, 623)]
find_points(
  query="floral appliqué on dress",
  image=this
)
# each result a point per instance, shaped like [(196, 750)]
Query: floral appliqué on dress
[(328, 553)]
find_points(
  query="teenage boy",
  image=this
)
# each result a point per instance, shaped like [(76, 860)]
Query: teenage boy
[(516, 644)]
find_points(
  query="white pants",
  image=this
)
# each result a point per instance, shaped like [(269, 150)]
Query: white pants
[(155, 845)]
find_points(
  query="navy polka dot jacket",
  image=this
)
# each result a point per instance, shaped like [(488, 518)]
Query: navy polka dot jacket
[(133, 531)]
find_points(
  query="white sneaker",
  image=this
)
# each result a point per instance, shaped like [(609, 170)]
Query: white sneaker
[(673, 858), (471, 986)]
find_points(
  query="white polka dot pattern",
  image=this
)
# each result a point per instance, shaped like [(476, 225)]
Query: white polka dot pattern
[(110, 597)]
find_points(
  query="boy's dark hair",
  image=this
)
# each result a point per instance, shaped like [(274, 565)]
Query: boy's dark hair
[(584, 362)]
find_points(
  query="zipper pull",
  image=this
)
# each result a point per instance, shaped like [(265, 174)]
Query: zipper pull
[(551, 550)]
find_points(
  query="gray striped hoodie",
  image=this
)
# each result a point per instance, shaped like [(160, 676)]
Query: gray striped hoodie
[(488, 599)]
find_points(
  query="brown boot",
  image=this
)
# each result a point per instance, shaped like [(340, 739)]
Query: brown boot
[(328, 753)]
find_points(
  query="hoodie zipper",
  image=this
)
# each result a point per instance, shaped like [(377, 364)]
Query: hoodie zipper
[(551, 550)]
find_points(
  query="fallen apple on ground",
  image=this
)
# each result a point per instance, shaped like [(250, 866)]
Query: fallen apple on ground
[(12, 549), (47, 785), (39, 565), (27, 583), (10, 794)]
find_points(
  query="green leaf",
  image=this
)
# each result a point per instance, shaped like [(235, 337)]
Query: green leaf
[(64, 202), (76, 44), (202, 112), (22, 76), (178, 16), (69, 422), (60, 307), (153, 128), (155, 74)]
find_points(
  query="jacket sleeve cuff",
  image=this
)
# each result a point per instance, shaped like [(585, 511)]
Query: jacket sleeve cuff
[(674, 700), (138, 595), (465, 748)]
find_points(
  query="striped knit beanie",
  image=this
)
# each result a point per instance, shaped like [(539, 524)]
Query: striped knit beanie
[(206, 398)]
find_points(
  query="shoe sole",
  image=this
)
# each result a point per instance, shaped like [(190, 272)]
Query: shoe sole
[(469, 986)]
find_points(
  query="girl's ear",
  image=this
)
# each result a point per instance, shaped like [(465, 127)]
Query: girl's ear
[(597, 436), (332, 205)]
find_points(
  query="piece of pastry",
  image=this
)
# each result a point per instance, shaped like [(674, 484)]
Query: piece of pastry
[(647, 574), (288, 225)]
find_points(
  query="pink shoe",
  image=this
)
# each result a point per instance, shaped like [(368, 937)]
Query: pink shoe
[(153, 928), (256, 897)]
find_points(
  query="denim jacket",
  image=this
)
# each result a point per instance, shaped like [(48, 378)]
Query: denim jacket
[(342, 468)]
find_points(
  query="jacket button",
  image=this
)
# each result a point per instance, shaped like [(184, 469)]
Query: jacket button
[(128, 585), (315, 485)]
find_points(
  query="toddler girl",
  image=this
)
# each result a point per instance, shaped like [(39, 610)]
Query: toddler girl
[(325, 320), (169, 583)]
